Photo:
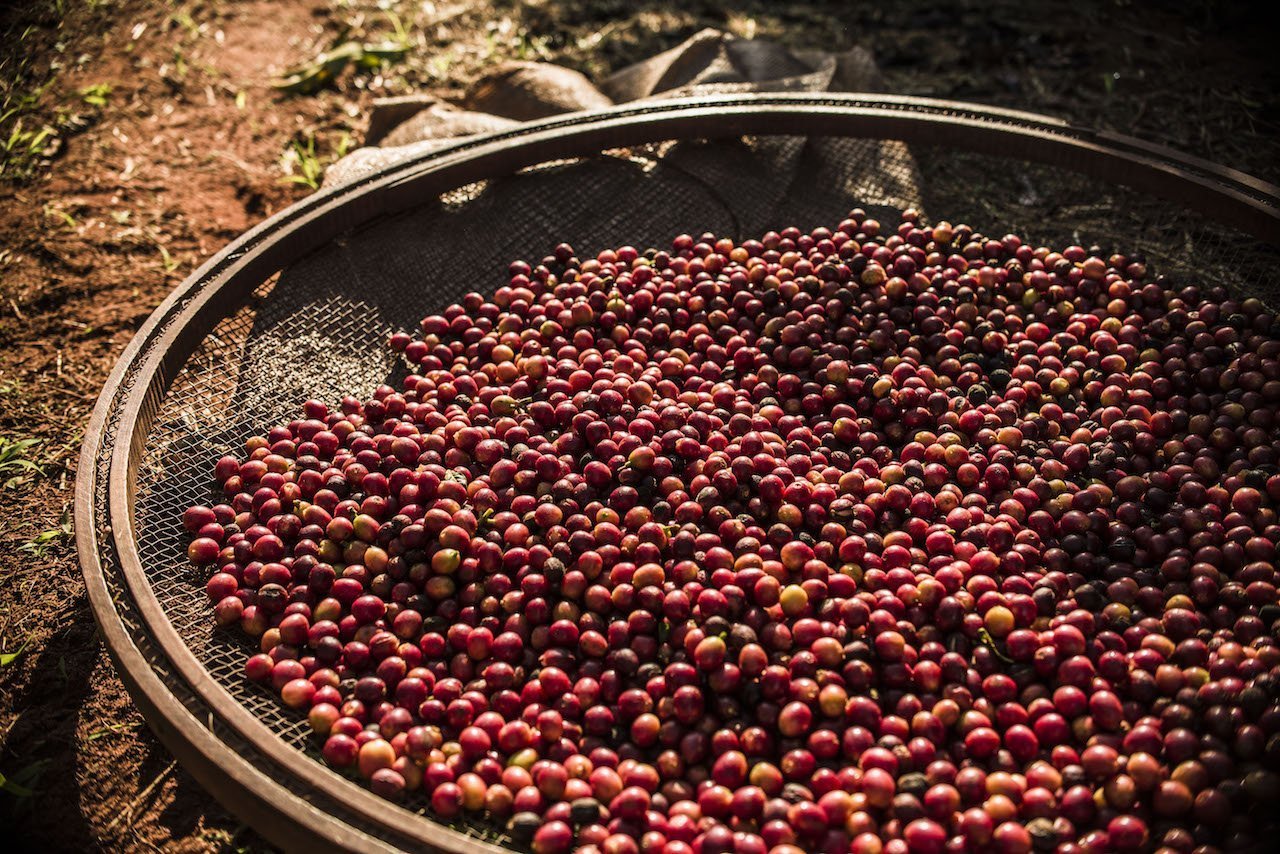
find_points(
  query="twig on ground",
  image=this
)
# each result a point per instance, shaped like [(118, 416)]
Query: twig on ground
[(128, 811)]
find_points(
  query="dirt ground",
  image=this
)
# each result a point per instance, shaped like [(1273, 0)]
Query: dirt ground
[(138, 137)]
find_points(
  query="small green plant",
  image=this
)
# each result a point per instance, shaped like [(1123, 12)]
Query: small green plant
[(323, 71), (28, 144), (23, 149), (96, 95), (504, 37), (51, 212), (183, 19), (8, 658), (302, 165), (22, 784), (167, 261), (42, 543), (111, 729), (16, 467)]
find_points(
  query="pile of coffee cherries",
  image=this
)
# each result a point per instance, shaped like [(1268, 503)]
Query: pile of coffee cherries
[(851, 540)]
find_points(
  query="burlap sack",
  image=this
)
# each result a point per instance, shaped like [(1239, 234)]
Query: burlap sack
[(534, 90), (709, 62)]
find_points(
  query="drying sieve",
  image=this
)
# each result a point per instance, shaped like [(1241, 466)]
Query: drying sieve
[(301, 306)]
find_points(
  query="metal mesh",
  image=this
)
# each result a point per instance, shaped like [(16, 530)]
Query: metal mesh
[(319, 328), (1050, 206)]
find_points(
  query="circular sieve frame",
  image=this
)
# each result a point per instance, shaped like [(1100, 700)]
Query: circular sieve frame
[(190, 711)]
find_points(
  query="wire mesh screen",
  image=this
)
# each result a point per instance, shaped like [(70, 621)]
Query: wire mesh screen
[(319, 328), (1052, 206)]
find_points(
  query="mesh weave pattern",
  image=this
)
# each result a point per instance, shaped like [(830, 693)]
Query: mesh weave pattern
[(318, 330)]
